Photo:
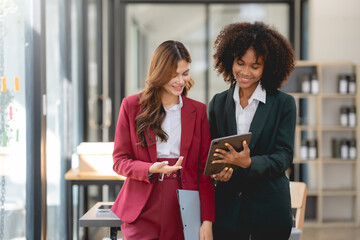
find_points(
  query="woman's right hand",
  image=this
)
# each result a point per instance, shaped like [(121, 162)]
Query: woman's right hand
[(224, 175), (163, 167)]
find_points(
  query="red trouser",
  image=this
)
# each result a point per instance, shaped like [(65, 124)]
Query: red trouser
[(160, 218)]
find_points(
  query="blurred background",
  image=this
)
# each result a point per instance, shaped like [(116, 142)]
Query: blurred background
[(67, 64)]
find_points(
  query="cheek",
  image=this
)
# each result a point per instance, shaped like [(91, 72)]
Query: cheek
[(187, 78), (258, 74), (235, 68)]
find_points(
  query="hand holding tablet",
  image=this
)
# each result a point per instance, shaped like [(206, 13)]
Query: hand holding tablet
[(236, 141)]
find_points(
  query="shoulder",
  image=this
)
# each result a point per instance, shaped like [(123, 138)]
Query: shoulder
[(282, 96), (285, 100), (193, 103), (131, 104), (221, 96), (219, 99), (133, 99)]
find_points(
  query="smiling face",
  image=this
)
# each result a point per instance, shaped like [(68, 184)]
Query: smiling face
[(248, 70), (177, 83)]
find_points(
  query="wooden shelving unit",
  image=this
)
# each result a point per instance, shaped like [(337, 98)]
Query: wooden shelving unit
[(333, 183)]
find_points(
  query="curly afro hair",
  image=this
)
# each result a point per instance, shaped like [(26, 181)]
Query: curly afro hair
[(278, 54)]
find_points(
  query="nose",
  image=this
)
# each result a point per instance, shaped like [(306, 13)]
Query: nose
[(181, 79), (246, 71)]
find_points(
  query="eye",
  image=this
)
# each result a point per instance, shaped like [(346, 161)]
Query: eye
[(186, 73)]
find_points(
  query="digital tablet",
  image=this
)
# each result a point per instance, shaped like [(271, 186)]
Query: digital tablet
[(219, 143)]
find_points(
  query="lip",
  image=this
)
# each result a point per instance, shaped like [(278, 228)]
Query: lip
[(178, 88), (244, 79)]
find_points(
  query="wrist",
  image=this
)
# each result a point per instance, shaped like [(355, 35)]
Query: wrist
[(248, 163), (207, 223)]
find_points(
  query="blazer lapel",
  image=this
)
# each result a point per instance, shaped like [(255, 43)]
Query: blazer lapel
[(151, 145), (259, 119), (230, 119), (188, 118)]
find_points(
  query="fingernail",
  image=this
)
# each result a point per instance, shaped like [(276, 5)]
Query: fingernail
[(215, 154), (226, 169), (226, 144), (244, 142), (166, 162)]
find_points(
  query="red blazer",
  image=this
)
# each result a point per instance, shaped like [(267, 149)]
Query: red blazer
[(133, 161)]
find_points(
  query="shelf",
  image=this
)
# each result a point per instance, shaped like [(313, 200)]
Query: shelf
[(323, 95), (333, 223), (338, 161), (337, 128), (303, 95), (299, 161), (343, 192), (338, 95), (312, 192), (333, 183)]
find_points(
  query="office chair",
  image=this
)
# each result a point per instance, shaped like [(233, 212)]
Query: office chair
[(298, 201)]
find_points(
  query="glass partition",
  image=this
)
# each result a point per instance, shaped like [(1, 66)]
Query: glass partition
[(148, 25), (12, 120), (274, 14), (196, 25)]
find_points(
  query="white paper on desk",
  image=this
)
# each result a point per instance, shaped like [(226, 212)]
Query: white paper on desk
[(189, 201)]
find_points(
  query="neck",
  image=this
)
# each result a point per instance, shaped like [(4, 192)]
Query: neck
[(247, 93), (169, 100)]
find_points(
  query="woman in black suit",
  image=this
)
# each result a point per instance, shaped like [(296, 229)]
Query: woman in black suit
[(255, 199)]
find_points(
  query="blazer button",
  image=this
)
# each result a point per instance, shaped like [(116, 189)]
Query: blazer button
[(174, 175), (168, 174)]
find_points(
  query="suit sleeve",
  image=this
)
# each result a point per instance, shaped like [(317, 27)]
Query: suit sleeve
[(275, 164), (123, 155), (206, 187), (212, 119)]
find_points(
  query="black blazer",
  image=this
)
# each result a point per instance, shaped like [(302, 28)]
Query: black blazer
[(257, 197)]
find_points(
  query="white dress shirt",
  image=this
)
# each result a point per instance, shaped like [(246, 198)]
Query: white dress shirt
[(244, 116), (172, 126)]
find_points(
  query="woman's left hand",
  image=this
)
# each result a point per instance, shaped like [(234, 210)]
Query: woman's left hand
[(241, 159), (206, 231)]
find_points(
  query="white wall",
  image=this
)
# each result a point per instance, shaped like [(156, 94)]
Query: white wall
[(334, 30)]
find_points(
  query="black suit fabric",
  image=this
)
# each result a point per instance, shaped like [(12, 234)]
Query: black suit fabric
[(257, 198)]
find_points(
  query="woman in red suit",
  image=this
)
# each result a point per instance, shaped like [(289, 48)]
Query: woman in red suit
[(161, 145)]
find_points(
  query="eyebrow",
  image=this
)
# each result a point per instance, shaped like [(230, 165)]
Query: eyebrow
[(184, 71)]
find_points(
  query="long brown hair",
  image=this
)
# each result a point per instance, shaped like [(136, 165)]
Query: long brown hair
[(162, 68)]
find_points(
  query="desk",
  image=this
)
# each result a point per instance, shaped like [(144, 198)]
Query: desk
[(81, 178), (93, 218)]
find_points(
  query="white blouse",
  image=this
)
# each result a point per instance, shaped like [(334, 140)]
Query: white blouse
[(172, 126), (244, 116)]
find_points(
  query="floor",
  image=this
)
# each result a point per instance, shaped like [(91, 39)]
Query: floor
[(331, 234), (309, 234)]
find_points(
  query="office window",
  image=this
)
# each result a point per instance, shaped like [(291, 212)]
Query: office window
[(148, 25), (12, 120), (274, 14), (196, 25)]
